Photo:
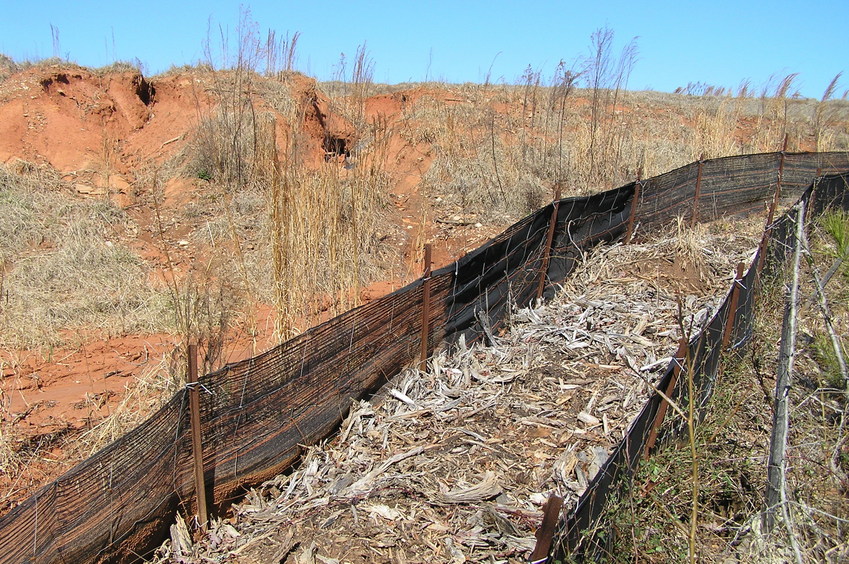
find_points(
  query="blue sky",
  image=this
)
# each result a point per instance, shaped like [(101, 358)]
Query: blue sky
[(719, 42)]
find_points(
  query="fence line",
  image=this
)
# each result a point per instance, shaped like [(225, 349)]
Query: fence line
[(256, 414), (581, 534)]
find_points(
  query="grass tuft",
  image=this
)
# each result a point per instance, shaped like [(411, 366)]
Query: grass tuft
[(66, 266)]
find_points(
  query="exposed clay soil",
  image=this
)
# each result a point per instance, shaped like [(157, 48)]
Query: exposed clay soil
[(105, 135)]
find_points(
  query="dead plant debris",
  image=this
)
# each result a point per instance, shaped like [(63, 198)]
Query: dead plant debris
[(454, 464)]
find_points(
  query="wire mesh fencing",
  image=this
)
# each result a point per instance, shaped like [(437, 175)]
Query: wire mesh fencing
[(582, 534)]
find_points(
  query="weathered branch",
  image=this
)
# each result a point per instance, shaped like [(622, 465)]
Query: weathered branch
[(776, 494), (831, 271)]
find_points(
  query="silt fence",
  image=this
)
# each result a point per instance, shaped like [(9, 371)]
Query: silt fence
[(256, 414)]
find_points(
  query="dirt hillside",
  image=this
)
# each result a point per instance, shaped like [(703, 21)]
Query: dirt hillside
[(118, 139)]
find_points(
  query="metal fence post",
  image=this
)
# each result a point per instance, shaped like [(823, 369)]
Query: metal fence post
[(197, 444), (813, 199), (773, 206), (548, 242), (545, 533), (777, 194), (695, 215), (732, 306), (423, 354), (638, 188), (680, 356)]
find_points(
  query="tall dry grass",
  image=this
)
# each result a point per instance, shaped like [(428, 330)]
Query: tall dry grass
[(500, 149), (319, 217), (324, 225), (826, 117)]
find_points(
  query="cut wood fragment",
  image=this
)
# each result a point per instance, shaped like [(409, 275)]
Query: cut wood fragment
[(588, 419), (402, 396), (487, 488)]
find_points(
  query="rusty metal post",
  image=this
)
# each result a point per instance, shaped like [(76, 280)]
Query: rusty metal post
[(809, 208), (197, 445), (777, 194), (732, 306), (424, 353), (638, 188), (765, 238), (545, 533), (680, 357), (694, 217), (773, 206), (546, 257)]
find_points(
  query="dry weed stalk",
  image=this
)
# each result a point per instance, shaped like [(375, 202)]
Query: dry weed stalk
[(690, 418), (202, 301), (825, 118), (607, 79), (772, 122), (275, 49), (348, 93), (323, 224), (320, 219)]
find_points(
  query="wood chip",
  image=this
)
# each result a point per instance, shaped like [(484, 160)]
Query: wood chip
[(588, 419), (487, 488)]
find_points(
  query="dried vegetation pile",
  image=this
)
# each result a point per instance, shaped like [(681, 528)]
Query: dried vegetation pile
[(454, 463)]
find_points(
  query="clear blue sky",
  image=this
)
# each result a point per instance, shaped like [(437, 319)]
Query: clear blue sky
[(719, 42)]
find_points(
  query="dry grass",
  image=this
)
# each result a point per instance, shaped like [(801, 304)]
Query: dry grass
[(321, 222), (7, 67), (499, 150), (9, 462), (351, 87), (305, 237), (66, 265), (323, 226)]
